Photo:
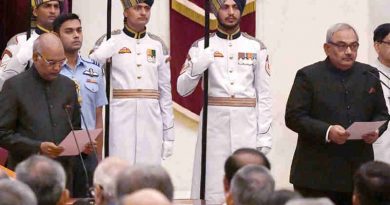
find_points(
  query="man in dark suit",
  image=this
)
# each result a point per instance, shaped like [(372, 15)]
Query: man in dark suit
[(32, 115), (326, 98)]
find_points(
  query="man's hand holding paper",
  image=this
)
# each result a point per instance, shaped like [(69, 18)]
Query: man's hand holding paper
[(338, 134), (367, 131)]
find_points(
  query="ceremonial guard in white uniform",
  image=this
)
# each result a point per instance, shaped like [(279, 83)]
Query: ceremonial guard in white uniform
[(141, 116), (239, 106), (382, 47), (18, 52)]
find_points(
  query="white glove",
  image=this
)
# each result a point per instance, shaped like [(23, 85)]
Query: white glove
[(201, 62), (167, 149), (264, 150)]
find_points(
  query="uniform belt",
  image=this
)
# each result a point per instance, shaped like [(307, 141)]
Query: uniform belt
[(136, 93), (232, 102)]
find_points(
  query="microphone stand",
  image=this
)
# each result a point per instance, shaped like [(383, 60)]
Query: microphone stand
[(88, 134), (377, 78), (77, 145)]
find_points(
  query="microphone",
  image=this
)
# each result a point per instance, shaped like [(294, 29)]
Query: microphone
[(376, 77), (67, 108)]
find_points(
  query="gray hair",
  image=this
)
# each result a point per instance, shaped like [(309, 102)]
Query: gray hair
[(145, 197), (339, 27), (310, 201), (281, 197), (44, 176), (252, 185), (106, 173), (14, 192), (144, 176)]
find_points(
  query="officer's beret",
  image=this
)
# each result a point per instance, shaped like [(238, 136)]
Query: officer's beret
[(215, 5), (130, 3), (36, 3)]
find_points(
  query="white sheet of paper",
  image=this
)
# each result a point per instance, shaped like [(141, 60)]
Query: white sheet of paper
[(69, 143), (358, 129)]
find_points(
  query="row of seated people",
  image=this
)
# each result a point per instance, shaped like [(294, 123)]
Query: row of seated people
[(247, 181)]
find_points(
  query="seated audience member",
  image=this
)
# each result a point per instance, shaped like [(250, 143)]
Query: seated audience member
[(372, 184), (240, 158), (310, 201), (145, 197), (281, 197), (104, 179), (142, 177), (45, 177), (251, 185), (14, 192)]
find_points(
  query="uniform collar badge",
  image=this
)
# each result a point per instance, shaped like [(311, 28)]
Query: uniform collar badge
[(247, 58), (124, 50), (91, 73), (151, 55), (218, 54)]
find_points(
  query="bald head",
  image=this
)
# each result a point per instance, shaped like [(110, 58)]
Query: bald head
[(48, 56), (47, 42), (145, 197), (242, 157)]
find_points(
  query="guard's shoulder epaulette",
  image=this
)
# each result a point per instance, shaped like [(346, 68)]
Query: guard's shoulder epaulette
[(157, 38), (90, 61), (262, 45), (116, 32), (103, 37), (14, 39), (196, 43)]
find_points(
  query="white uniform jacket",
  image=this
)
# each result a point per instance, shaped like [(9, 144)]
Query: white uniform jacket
[(239, 111), (382, 145), (17, 54), (141, 115)]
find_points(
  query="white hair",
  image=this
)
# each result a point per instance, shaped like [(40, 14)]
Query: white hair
[(338, 27), (14, 192), (106, 173)]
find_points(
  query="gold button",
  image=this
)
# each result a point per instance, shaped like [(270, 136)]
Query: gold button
[(138, 77)]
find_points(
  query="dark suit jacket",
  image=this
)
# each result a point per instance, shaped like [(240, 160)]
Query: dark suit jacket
[(322, 96), (32, 111)]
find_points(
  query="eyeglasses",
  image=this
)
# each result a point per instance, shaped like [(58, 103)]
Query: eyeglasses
[(344, 46), (387, 43), (52, 62)]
